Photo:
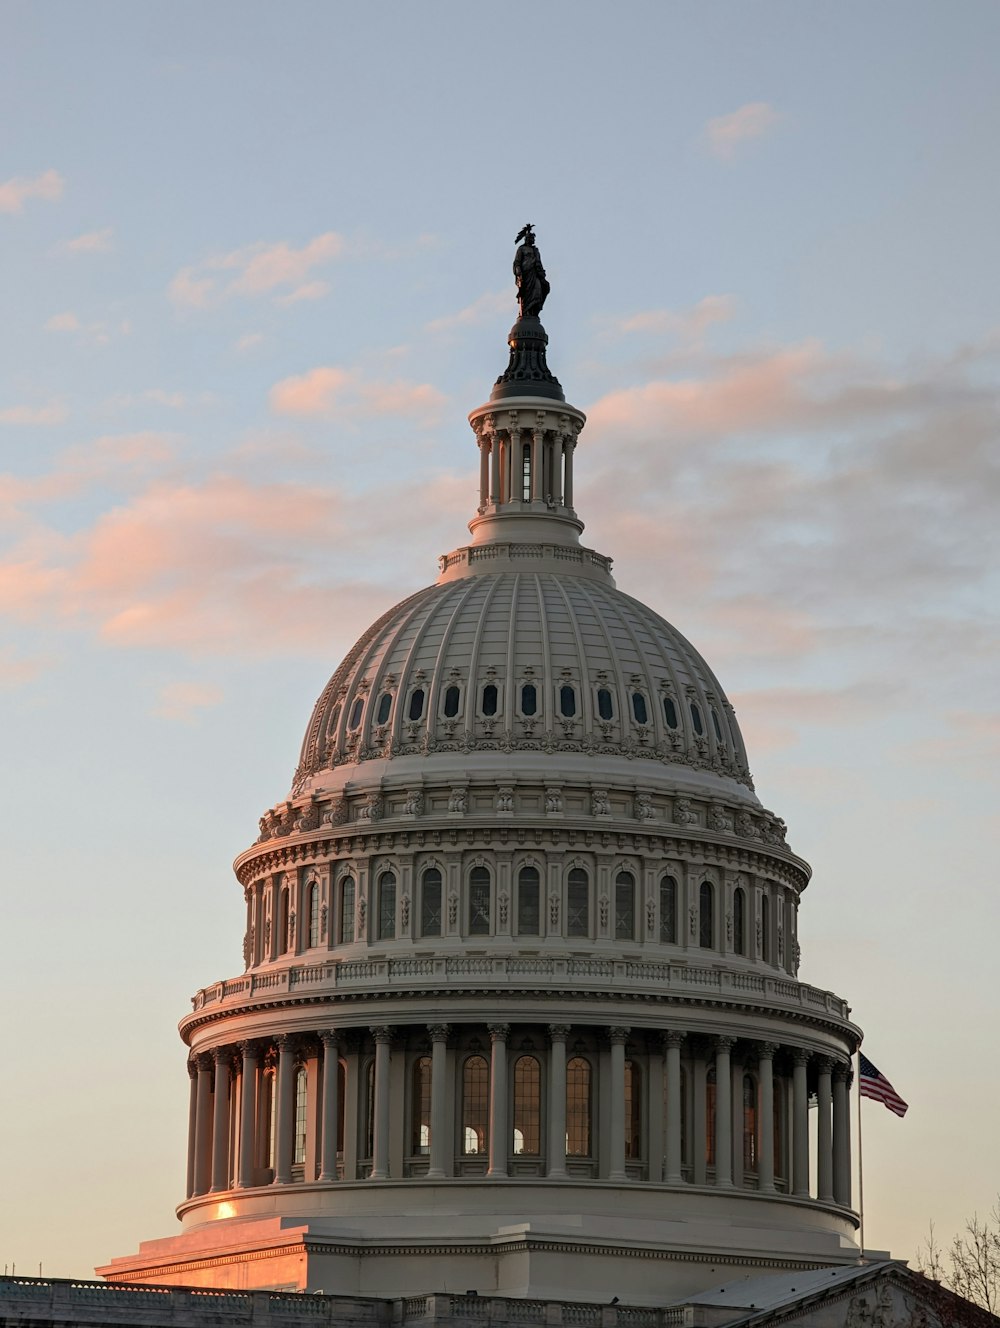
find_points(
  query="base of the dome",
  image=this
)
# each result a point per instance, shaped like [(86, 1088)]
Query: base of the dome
[(509, 1239)]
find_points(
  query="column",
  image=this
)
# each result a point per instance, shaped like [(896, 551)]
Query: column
[(192, 1126), (842, 1135), (484, 469), (439, 1100), (203, 1127), (557, 471), (220, 1119), (248, 1113), (537, 466), (824, 1136), (499, 1143), (723, 1112), (570, 448), (380, 1141), (558, 1033), (331, 1105), (286, 1110), (494, 468), (738, 1120), (616, 1129), (800, 1126), (672, 1045), (765, 1078)]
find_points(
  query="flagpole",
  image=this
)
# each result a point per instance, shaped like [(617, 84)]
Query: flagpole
[(861, 1167)]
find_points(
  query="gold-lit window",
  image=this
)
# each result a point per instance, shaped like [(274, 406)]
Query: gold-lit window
[(633, 1110), (527, 1106), (301, 1091), (749, 1123), (420, 1130), (578, 1112), (475, 1106)]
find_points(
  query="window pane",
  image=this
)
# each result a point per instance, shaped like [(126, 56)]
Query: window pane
[(578, 903), (479, 902), (710, 1117), (528, 914), (699, 727), (749, 1123), (452, 697), (386, 906), (765, 929), (384, 707), (706, 931), (624, 906), (527, 1106), (489, 699), (668, 910), (420, 1107), (346, 910), (475, 1106), (633, 1110), (313, 915), (370, 1110), (716, 726), (283, 920), (301, 1083), (526, 473), (739, 921), (356, 710), (669, 712), (639, 708), (604, 707), (529, 699), (567, 702), (578, 1107), (430, 903), (417, 704)]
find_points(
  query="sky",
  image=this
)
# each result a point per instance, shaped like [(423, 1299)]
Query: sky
[(255, 263)]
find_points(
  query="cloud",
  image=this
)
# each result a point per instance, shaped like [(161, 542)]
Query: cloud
[(181, 701), (14, 193), (18, 670), (66, 322), (92, 242), (726, 133), (249, 341), (688, 325), (312, 290), (330, 391), (482, 310), (51, 413), (256, 270)]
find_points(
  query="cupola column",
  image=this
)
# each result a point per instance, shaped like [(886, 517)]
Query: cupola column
[(841, 1136), (439, 1100), (824, 1136), (498, 1100), (331, 1105), (569, 447), (765, 1078), (800, 1126), (494, 467), (220, 1119), (672, 1045), (537, 469), (380, 1140), (558, 1033), (616, 1143), (248, 1111), (484, 470), (723, 1112), (203, 1130), (192, 1125), (286, 1110)]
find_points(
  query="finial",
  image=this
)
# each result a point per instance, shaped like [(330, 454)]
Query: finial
[(529, 275)]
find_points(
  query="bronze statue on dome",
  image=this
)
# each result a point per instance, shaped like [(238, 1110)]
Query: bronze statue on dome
[(532, 285)]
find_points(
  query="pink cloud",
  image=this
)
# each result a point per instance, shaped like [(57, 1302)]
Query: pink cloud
[(18, 670), (65, 322), (181, 701), (488, 306), (91, 242), (51, 413), (328, 391), (254, 270), (726, 133), (14, 193), (312, 290), (689, 325)]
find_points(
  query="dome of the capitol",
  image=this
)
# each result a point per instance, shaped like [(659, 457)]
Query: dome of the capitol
[(520, 1008)]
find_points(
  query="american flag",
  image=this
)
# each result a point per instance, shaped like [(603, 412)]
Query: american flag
[(873, 1083)]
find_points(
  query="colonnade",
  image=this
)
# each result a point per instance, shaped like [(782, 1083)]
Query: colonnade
[(525, 465), (661, 1106)]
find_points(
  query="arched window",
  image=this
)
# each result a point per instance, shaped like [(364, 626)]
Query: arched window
[(346, 910), (526, 473), (696, 719), (668, 910), (527, 1106), (706, 920), (301, 1091), (633, 1110), (528, 902), (739, 920), (639, 710), (284, 922), (370, 1110), (578, 903), (480, 890), (780, 1168), (578, 1112), (416, 704), (710, 1117), (604, 707), (765, 929), (475, 1106), (341, 1098), (420, 1108), (356, 710), (452, 696), (269, 1104), (430, 903), (625, 906), (716, 726), (670, 712), (386, 906), (313, 915), (490, 699), (567, 701), (529, 699), (749, 1123)]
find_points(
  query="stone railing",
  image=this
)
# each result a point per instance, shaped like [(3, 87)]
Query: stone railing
[(513, 971), (482, 553)]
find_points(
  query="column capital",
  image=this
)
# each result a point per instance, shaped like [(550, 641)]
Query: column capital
[(439, 1032), (724, 1043), (249, 1049), (618, 1035), (205, 1060), (766, 1051), (192, 1065), (824, 1064), (382, 1033), (800, 1057), (330, 1037), (673, 1037), (559, 1032), (499, 1032), (842, 1073), (285, 1042)]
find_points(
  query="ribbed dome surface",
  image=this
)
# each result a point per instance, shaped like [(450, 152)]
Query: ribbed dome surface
[(522, 661)]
